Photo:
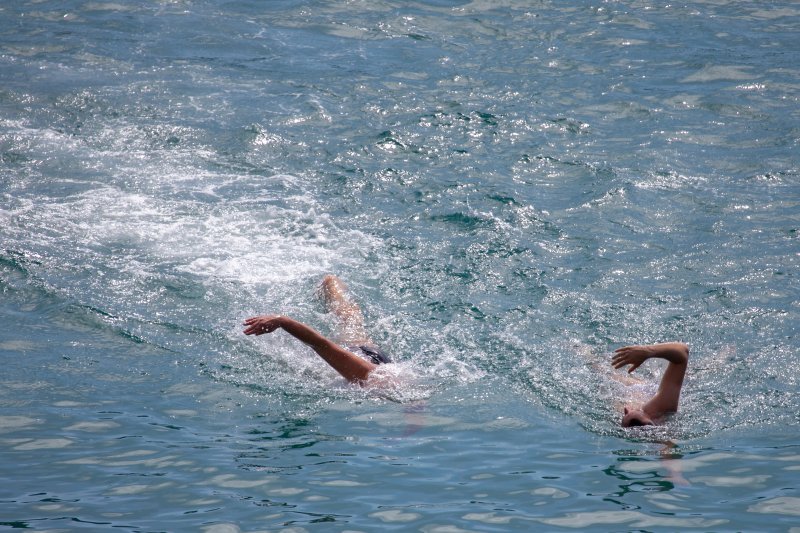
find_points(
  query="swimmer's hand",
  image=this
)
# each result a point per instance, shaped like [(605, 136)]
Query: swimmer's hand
[(631, 355), (674, 352), (258, 325)]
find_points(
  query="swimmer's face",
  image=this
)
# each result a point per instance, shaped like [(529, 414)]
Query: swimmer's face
[(636, 417)]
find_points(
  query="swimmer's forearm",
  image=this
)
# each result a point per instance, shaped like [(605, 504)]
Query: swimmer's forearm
[(674, 352), (302, 332), (259, 325)]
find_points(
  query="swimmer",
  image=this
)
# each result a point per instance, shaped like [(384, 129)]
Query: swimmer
[(665, 400), (361, 356)]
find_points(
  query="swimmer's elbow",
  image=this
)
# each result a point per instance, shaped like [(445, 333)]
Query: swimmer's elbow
[(682, 352), (674, 352)]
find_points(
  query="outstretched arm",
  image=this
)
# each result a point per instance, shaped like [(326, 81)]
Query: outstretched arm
[(349, 365), (669, 391)]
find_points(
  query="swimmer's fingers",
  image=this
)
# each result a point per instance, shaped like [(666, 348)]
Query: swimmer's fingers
[(629, 355), (258, 325), (618, 359), (260, 329), (619, 362)]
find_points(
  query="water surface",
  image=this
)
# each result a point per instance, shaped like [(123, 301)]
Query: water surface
[(511, 190)]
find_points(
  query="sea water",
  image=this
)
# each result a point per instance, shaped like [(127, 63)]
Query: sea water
[(510, 189)]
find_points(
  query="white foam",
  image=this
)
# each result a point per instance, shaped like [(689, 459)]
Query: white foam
[(253, 243), (247, 243)]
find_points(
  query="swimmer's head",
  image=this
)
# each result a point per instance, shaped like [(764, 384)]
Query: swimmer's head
[(635, 418)]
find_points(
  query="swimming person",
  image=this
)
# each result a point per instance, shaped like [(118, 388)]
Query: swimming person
[(361, 355), (665, 400)]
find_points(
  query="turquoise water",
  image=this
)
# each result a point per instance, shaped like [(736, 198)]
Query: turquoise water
[(511, 190)]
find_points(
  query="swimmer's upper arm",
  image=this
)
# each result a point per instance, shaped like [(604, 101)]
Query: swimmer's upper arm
[(669, 390), (349, 365)]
